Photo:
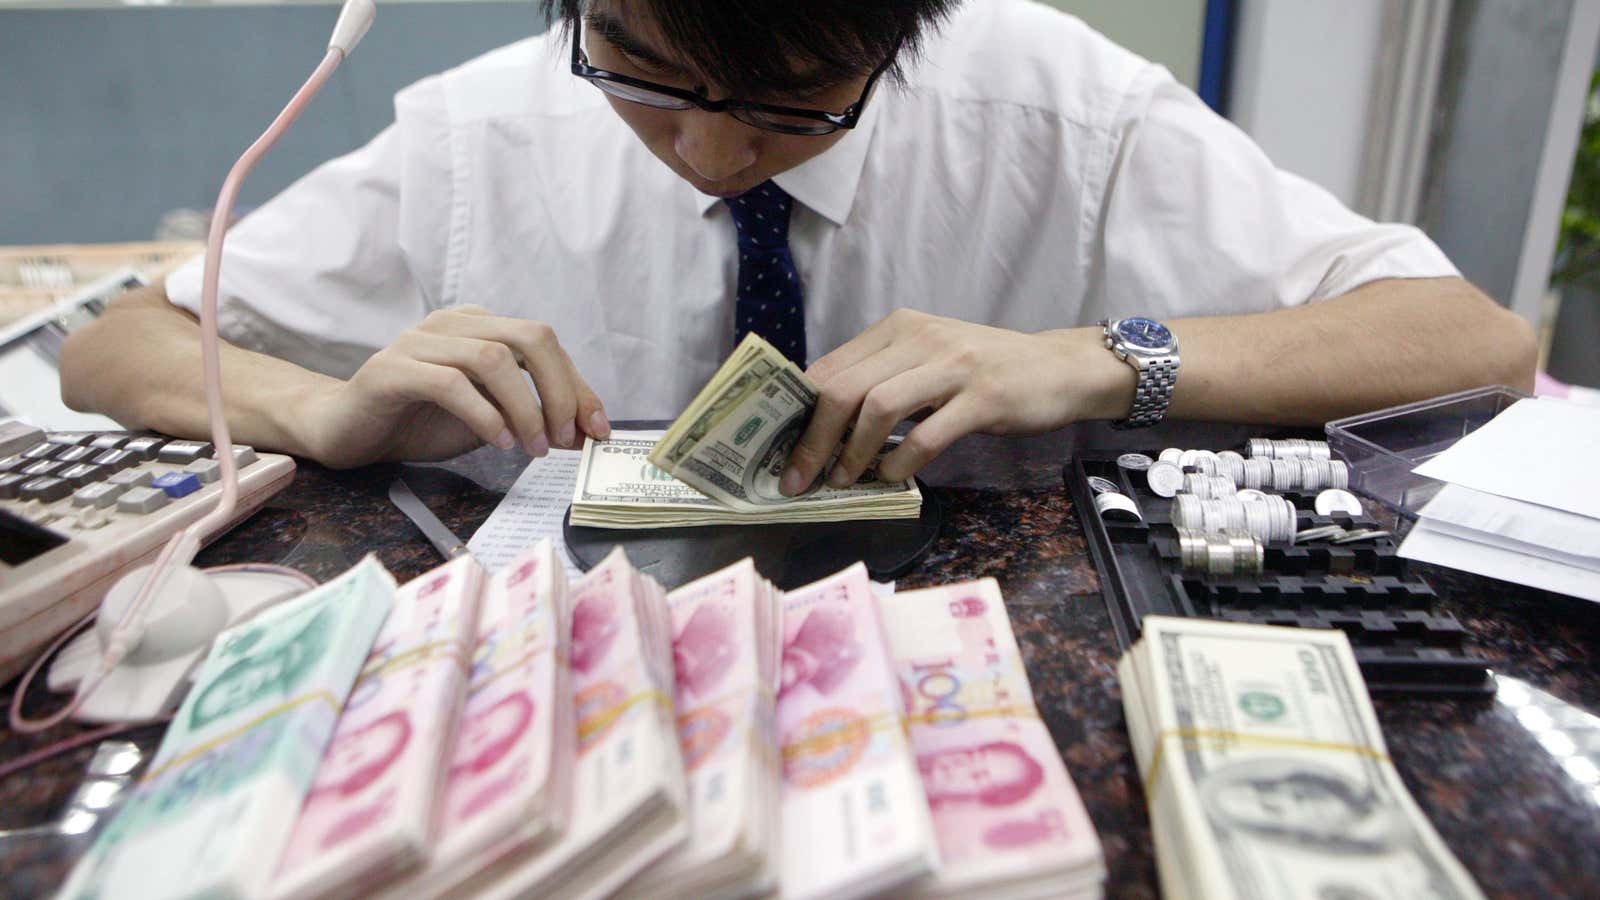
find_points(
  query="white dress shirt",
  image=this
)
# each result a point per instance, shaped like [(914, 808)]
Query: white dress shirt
[(1029, 175)]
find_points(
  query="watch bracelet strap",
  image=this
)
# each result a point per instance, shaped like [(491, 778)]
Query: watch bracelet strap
[(1157, 378)]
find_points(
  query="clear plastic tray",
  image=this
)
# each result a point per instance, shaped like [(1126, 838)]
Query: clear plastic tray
[(1383, 447)]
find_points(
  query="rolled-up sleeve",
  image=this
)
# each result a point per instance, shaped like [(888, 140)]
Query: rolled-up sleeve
[(345, 259), (1196, 220)]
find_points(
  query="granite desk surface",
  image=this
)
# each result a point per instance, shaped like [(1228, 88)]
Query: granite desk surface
[(1518, 802)]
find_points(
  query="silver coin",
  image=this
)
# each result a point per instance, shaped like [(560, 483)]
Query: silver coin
[(1171, 455), (1103, 485), (1165, 479), (1366, 535), (1335, 500), (1251, 495), (1113, 505), (1321, 533), (1137, 462)]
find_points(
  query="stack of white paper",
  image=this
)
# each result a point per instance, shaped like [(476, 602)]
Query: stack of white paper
[(1521, 502)]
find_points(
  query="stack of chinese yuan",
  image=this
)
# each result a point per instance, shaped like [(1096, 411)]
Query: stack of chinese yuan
[(507, 790), (608, 738), (725, 655), (371, 810)]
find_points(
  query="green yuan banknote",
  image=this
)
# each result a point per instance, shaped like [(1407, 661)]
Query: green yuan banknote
[(212, 816)]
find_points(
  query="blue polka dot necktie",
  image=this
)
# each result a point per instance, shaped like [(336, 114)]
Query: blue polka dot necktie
[(770, 296)]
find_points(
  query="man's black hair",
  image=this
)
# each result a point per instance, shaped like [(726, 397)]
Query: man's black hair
[(757, 47)]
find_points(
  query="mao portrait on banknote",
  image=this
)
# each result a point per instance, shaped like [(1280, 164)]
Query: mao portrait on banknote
[(260, 671)]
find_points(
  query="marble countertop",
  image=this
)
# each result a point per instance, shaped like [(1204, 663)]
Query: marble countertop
[(1518, 806)]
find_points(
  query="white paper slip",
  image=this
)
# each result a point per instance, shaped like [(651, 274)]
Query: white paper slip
[(531, 510), (1542, 450), (1553, 534), (1425, 544)]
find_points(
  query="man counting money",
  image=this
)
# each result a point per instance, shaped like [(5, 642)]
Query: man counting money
[(932, 204)]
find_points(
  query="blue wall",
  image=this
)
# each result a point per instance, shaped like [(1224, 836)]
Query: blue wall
[(110, 118)]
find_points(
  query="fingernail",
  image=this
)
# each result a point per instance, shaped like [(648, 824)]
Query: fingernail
[(568, 435), (793, 482), (598, 426), (540, 446), (837, 477), (505, 441)]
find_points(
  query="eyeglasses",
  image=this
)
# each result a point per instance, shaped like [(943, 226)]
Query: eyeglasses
[(767, 116)]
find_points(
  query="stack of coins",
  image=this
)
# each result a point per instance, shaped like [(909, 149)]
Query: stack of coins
[(1208, 487), (1222, 555), (1266, 517), (1294, 448), (1309, 475)]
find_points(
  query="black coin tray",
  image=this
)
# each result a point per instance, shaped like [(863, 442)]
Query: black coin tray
[(1405, 645)]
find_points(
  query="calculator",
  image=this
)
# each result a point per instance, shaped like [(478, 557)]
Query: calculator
[(80, 509)]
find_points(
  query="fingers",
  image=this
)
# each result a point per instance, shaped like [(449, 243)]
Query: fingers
[(450, 389), (840, 398), (886, 406), (961, 417), (493, 365), (566, 401), (864, 345)]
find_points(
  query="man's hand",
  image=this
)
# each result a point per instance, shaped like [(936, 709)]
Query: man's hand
[(454, 382), (972, 377)]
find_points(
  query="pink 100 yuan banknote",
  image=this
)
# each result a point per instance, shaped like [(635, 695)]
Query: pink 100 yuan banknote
[(371, 812), (854, 821), (510, 775), (1006, 812), (723, 646)]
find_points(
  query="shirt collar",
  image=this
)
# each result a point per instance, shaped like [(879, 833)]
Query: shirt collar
[(827, 183)]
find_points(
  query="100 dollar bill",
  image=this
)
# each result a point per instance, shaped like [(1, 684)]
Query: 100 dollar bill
[(733, 441), (618, 486), (1266, 772)]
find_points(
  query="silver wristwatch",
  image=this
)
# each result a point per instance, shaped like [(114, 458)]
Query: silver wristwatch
[(1152, 350)]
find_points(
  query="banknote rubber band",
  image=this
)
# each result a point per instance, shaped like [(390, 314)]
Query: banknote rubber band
[(513, 666), (207, 746), (603, 721), (989, 712), (833, 740), (417, 656), (1198, 734)]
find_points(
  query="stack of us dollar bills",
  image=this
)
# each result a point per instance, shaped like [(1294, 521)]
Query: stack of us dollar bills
[(1265, 773), (722, 460)]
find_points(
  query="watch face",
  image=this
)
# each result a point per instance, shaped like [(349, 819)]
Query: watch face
[(1146, 333)]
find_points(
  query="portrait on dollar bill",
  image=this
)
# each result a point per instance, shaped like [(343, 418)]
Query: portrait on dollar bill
[(1301, 802)]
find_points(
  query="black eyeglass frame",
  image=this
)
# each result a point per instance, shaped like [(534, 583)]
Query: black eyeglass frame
[(847, 119)]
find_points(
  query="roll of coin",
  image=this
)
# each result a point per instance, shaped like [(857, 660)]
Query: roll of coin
[(1339, 473), (1186, 511)]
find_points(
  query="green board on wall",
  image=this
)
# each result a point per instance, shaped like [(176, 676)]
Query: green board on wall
[(1169, 32)]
